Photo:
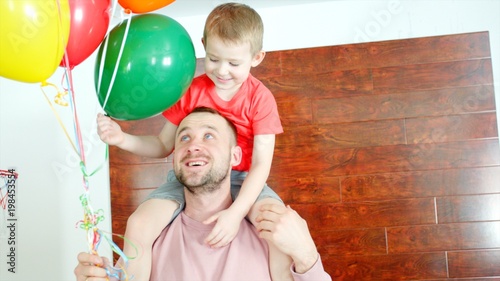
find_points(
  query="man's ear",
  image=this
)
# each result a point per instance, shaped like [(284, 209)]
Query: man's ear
[(236, 155), (258, 58)]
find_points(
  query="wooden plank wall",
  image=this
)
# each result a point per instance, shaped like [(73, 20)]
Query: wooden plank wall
[(390, 152)]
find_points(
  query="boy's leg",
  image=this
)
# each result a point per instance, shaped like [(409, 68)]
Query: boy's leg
[(279, 263), (146, 224)]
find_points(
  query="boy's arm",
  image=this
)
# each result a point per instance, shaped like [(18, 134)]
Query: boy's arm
[(262, 158), (228, 221), (148, 146)]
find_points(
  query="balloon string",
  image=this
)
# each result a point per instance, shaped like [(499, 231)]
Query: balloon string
[(94, 238), (44, 84), (105, 48), (111, 83), (76, 124), (84, 170), (91, 218)]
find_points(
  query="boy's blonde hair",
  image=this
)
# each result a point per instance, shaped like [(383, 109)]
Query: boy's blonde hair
[(235, 23)]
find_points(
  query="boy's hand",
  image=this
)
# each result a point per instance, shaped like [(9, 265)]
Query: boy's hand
[(226, 228), (108, 130)]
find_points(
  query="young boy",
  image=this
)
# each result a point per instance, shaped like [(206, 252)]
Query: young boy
[(232, 39)]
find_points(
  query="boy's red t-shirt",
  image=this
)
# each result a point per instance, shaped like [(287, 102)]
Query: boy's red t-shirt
[(253, 111)]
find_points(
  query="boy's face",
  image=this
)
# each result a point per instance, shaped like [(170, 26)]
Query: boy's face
[(228, 65)]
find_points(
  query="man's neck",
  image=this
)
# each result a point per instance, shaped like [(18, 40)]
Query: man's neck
[(202, 206)]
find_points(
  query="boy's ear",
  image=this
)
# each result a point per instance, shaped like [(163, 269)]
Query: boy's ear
[(203, 41), (258, 58)]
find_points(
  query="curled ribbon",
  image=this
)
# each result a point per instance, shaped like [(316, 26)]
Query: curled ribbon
[(90, 218)]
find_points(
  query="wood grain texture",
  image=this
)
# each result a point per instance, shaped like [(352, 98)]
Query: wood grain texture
[(363, 241), (485, 207), (443, 237), (452, 128), (384, 159), (474, 263), (387, 53), (418, 266), (390, 151), (432, 183), (368, 214)]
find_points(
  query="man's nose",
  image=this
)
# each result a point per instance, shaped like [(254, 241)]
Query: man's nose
[(194, 146)]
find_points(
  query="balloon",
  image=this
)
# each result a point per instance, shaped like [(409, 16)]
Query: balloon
[(144, 6), (156, 67), (89, 24), (33, 36)]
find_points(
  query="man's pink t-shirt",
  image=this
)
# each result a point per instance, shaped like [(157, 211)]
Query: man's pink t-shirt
[(180, 253), (253, 111)]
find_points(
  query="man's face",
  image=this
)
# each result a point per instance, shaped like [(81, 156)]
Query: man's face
[(203, 152)]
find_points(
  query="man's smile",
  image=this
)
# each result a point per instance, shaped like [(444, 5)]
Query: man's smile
[(196, 163)]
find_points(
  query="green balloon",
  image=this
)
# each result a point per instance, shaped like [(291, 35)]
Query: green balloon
[(157, 66)]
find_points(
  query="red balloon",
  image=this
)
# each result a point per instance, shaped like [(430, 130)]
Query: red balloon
[(88, 26), (144, 6)]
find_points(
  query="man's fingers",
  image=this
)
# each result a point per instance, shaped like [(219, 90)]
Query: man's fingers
[(265, 226), (266, 235), (86, 258), (274, 208), (268, 215), (89, 268)]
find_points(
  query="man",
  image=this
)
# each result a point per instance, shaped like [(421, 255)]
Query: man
[(205, 151)]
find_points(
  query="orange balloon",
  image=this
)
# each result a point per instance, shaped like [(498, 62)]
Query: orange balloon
[(144, 6)]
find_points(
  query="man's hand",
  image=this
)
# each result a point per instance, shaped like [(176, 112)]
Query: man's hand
[(288, 231), (226, 228), (108, 130), (91, 268)]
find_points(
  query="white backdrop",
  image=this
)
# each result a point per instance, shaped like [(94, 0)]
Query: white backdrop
[(32, 141)]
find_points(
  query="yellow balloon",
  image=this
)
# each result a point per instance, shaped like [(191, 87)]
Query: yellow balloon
[(33, 37)]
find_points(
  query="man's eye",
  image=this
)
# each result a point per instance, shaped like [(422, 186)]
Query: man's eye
[(184, 138), (209, 136)]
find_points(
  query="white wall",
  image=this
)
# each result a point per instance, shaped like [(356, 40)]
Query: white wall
[(50, 183)]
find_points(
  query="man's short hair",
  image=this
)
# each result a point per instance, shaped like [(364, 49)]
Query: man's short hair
[(234, 131)]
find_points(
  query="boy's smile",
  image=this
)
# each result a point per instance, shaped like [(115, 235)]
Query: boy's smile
[(228, 65)]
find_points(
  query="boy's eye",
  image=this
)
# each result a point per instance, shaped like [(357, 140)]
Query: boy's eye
[(234, 64), (214, 60)]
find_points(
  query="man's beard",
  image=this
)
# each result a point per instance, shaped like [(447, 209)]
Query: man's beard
[(208, 183)]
